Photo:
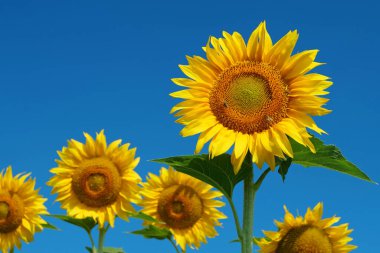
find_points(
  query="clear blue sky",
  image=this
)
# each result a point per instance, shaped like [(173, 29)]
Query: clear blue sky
[(73, 66)]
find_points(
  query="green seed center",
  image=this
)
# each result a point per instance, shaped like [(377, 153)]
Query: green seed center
[(96, 182), (248, 94), (177, 207), (4, 210)]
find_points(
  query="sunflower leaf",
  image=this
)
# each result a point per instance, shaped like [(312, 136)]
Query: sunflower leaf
[(284, 165), (326, 156), (217, 172), (48, 225), (89, 249), (87, 224), (153, 232), (113, 250), (254, 240), (141, 216)]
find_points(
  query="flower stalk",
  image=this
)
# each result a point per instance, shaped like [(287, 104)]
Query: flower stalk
[(248, 211), (92, 242), (102, 234), (173, 243)]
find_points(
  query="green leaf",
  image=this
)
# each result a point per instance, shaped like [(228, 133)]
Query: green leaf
[(142, 216), (254, 240), (326, 156), (153, 232), (107, 250), (113, 250), (284, 165), (47, 225), (217, 172), (87, 224)]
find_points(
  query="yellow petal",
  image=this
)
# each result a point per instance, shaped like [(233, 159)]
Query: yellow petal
[(198, 126), (280, 53), (205, 136), (222, 142), (299, 64)]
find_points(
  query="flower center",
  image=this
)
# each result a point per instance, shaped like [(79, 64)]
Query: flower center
[(305, 239), (179, 206), (4, 210), (97, 182), (249, 97), (11, 213), (248, 93)]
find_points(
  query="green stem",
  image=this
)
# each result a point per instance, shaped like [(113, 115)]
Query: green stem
[(92, 242), (172, 242), (102, 233), (12, 250), (261, 179), (236, 218), (249, 198)]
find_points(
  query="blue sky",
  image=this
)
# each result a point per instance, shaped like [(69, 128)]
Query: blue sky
[(73, 66)]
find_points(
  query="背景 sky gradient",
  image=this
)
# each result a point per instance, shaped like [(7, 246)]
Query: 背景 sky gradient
[(73, 66)]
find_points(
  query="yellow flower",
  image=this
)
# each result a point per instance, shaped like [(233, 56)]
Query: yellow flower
[(252, 95), (96, 180), (186, 205), (20, 209), (309, 234)]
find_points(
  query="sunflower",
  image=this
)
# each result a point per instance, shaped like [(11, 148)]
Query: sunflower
[(96, 180), (20, 209), (309, 234), (185, 205), (253, 96)]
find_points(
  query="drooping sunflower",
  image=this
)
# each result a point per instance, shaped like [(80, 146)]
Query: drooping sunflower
[(186, 205), (253, 95), (96, 180), (20, 209), (309, 234)]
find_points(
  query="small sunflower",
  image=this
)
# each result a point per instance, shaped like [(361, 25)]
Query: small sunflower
[(20, 209), (96, 180), (253, 96), (186, 205), (309, 234)]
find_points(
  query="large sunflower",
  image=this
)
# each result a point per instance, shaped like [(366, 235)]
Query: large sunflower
[(309, 234), (96, 180), (20, 210), (253, 95), (186, 205)]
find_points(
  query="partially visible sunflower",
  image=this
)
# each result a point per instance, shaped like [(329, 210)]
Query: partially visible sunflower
[(96, 180), (252, 95), (309, 234), (20, 209), (186, 205)]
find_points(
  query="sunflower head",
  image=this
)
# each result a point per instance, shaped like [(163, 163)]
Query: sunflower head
[(185, 205), (96, 180), (251, 95), (307, 234), (20, 210)]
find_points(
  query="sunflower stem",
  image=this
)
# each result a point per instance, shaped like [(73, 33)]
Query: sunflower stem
[(102, 234), (236, 218), (261, 179), (175, 246), (12, 250), (92, 241), (249, 198)]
